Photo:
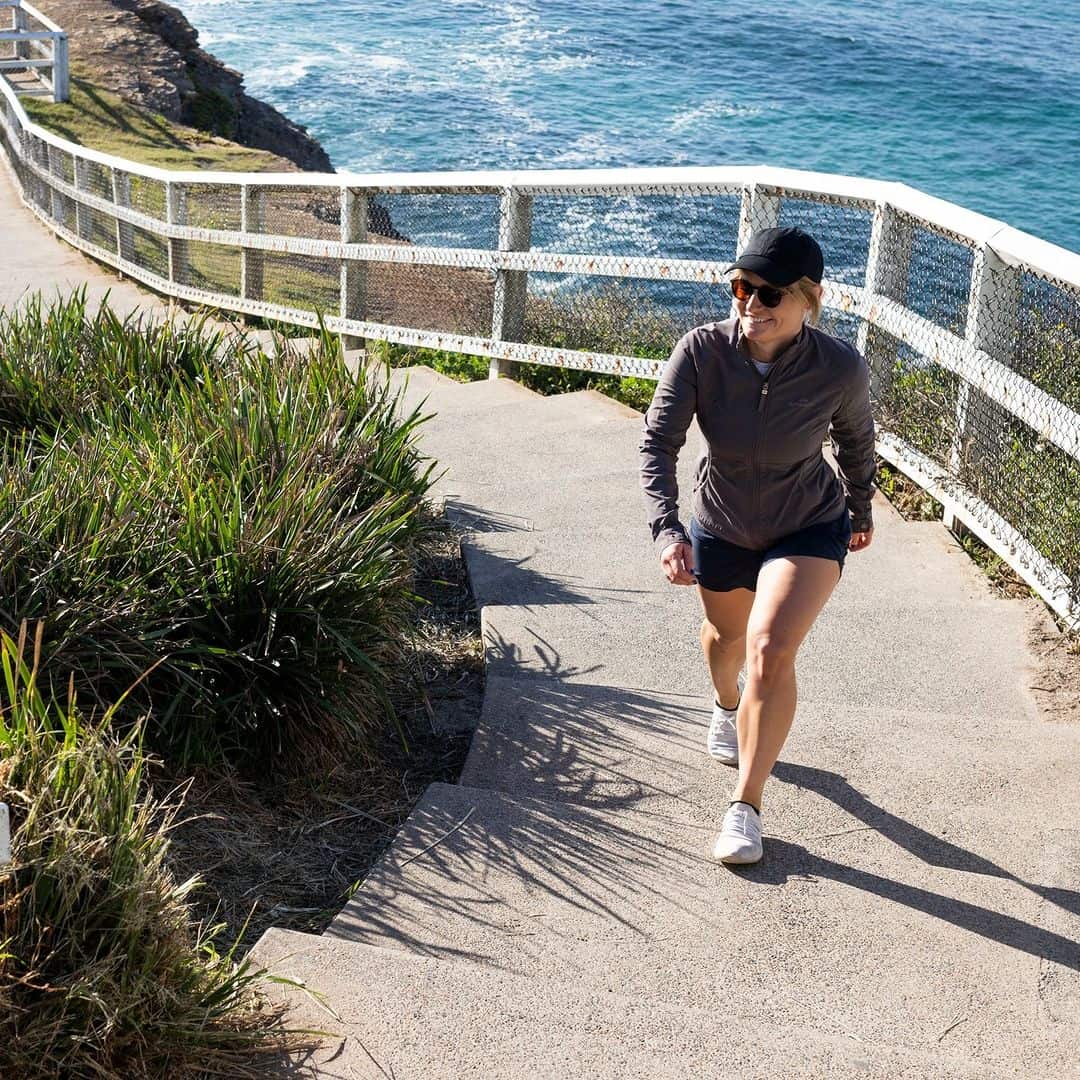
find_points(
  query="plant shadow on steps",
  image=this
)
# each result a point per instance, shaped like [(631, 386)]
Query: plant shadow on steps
[(505, 881), (605, 846), (923, 845), (600, 746), (787, 860)]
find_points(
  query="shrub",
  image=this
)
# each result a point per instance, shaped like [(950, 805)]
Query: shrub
[(102, 974), (61, 364), (245, 524), (615, 320)]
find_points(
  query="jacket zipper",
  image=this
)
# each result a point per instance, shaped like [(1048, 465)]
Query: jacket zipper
[(755, 464)]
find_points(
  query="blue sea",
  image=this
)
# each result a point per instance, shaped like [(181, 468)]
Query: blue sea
[(975, 101)]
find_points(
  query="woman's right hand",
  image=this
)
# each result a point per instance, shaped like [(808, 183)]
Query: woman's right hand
[(678, 563)]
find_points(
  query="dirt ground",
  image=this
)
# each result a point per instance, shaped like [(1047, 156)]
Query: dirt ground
[(1056, 675)]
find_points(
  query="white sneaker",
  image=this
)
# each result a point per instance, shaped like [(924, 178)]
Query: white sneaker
[(740, 836), (723, 740)]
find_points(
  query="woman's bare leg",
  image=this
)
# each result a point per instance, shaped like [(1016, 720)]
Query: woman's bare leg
[(723, 639), (790, 595)]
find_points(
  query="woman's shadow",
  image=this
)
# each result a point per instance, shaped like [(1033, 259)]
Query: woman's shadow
[(787, 859)]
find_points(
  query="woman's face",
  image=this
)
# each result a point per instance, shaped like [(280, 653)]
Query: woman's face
[(769, 328)]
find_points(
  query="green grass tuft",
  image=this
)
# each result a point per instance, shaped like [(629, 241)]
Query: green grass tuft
[(102, 973), (245, 525)]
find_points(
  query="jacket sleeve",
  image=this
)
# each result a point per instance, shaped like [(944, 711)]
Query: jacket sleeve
[(853, 444), (663, 436)]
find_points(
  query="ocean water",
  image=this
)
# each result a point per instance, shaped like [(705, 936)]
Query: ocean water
[(975, 101)]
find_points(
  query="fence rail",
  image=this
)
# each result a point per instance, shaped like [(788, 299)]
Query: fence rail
[(38, 47), (971, 328)]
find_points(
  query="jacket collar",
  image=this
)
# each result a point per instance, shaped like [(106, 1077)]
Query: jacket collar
[(795, 349)]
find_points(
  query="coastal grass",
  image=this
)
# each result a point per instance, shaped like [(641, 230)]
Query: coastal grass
[(176, 500), (103, 121), (103, 972), (228, 559)]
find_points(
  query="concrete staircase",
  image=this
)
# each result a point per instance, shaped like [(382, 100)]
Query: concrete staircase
[(556, 914)]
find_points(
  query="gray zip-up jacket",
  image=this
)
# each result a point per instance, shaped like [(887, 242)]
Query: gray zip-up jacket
[(763, 474)]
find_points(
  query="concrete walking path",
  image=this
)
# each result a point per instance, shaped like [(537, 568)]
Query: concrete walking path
[(35, 260), (917, 912)]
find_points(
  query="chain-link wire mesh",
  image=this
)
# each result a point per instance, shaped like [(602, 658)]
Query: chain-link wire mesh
[(973, 359)]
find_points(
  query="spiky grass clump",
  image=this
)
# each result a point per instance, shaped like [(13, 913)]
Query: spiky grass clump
[(62, 364), (102, 973), (243, 524)]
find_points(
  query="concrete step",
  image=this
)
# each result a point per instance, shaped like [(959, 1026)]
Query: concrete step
[(584, 742), (418, 1018), (443, 394), (881, 651), (424, 382), (541, 545), (934, 926)]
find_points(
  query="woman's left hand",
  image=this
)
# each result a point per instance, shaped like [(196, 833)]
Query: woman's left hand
[(860, 540)]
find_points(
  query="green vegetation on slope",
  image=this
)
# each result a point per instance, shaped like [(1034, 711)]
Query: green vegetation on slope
[(102, 972), (102, 121)]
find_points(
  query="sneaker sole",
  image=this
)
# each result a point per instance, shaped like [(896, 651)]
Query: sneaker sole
[(738, 860), (722, 758)]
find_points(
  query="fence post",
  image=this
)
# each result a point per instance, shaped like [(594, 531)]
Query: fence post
[(757, 210), (511, 286), (22, 26), (60, 78), (354, 221), (176, 214), (887, 267), (252, 262), (5, 835), (121, 191), (991, 327), (82, 183), (56, 200)]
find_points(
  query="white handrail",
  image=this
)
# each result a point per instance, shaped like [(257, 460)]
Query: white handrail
[(51, 43)]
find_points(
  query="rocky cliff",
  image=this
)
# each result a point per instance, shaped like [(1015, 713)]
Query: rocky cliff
[(148, 53)]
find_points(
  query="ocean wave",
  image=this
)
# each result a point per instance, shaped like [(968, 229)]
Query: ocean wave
[(278, 73), (591, 150), (385, 62), (708, 110), (553, 64)]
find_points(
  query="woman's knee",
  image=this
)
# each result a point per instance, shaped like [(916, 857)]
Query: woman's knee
[(720, 636), (770, 654)]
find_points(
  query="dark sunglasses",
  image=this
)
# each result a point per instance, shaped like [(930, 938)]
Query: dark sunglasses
[(769, 295)]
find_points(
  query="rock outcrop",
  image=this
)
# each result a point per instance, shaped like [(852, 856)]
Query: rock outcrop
[(148, 53)]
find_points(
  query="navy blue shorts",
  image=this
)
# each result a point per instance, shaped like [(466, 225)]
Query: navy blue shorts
[(720, 566)]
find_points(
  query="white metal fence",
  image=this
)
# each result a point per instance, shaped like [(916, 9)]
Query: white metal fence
[(971, 328), (34, 44)]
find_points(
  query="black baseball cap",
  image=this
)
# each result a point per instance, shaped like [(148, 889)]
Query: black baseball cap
[(782, 256)]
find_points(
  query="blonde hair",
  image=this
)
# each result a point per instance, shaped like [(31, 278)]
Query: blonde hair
[(808, 290)]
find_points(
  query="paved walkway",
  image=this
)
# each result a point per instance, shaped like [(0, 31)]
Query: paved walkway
[(555, 913), (34, 260)]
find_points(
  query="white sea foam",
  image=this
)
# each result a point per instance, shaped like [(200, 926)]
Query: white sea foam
[(209, 39), (553, 64), (708, 110), (589, 150), (385, 62), (277, 73)]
